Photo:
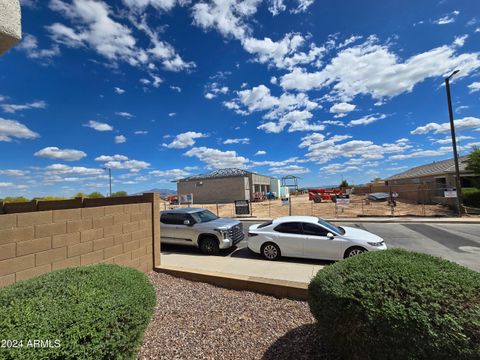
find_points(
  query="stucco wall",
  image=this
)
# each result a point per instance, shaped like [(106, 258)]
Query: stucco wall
[(222, 190), (35, 243), (10, 24)]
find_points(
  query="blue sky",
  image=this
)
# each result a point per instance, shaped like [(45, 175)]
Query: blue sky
[(161, 89)]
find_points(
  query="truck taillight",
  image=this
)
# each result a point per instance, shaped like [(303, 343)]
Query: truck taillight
[(251, 234)]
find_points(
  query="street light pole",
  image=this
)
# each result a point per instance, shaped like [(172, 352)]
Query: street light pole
[(109, 178), (454, 144)]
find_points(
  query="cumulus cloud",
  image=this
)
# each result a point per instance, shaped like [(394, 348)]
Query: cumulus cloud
[(141, 132), (12, 108), (62, 169), (460, 124), (289, 170), (54, 152), (13, 172), (322, 150), (120, 139), (118, 90), (173, 174), (228, 17), (217, 159), (260, 152), (132, 165), (341, 109), (447, 19), (163, 5), (374, 69), (98, 126), (94, 25), (237, 141), (367, 119), (284, 53), (29, 45), (10, 129), (116, 157), (184, 140)]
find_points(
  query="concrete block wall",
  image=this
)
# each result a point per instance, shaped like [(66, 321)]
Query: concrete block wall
[(35, 243), (10, 24)]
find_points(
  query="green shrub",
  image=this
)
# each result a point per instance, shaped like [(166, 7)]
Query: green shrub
[(95, 312), (471, 197), (396, 304)]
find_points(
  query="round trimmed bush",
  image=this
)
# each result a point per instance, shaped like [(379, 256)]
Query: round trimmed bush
[(92, 312), (396, 304)]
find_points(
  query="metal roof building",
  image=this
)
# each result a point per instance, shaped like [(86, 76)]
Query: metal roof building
[(223, 186)]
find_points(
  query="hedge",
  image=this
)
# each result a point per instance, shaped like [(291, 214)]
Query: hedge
[(396, 304), (471, 197), (93, 312)]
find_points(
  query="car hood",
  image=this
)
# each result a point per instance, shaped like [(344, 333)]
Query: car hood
[(360, 235), (221, 223)]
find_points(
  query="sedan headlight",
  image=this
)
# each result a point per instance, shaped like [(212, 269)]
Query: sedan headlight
[(379, 243)]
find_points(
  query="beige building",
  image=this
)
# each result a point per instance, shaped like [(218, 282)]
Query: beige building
[(223, 186), (10, 24)]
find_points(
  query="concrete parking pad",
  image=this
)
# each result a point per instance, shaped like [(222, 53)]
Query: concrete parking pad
[(278, 270)]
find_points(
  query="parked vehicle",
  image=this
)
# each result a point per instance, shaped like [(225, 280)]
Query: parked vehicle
[(200, 228), (310, 237)]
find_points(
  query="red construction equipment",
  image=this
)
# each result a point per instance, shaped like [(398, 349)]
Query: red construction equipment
[(319, 195)]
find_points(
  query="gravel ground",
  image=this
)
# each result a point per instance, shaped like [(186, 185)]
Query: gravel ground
[(195, 320)]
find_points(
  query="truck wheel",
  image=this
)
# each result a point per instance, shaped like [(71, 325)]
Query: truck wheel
[(209, 246)]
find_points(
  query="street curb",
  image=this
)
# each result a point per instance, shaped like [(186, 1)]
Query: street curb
[(398, 220), (278, 288)]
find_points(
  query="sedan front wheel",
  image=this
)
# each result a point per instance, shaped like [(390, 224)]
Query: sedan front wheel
[(271, 251), (354, 251)]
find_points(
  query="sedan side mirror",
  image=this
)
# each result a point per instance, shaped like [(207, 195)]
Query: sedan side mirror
[(186, 222), (330, 236)]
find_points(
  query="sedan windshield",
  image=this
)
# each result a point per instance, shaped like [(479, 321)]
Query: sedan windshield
[(331, 227), (204, 216)]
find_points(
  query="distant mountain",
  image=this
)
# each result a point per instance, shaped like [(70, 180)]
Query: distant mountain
[(163, 192)]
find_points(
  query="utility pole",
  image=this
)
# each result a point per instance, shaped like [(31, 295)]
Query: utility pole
[(109, 178), (454, 144)]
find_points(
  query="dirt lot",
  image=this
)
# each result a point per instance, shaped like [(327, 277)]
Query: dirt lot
[(302, 206)]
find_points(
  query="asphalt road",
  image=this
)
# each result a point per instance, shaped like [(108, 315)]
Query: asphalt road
[(456, 242)]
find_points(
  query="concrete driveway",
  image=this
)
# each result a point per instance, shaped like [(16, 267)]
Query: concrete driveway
[(456, 242)]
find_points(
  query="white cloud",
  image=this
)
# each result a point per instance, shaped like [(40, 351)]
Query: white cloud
[(93, 26), (163, 5), (237, 141), (141, 132), (373, 69), (185, 140), (118, 90), (475, 86), (448, 140), (302, 6), (342, 108), (447, 19), (172, 114), (132, 165), (120, 139), (367, 119), (460, 124), (421, 153), (323, 150), (289, 170), (13, 172), (285, 53), (10, 129), (176, 88), (62, 169), (124, 114), (5, 184), (98, 126), (116, 157), (12, 108), (29, 45), (217, 159), (213, 89), (295, 120), (260, 152), (173, 174), (54, 152), (276, 7), (226, 16)]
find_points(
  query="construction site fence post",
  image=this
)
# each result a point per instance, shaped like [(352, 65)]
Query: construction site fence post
[(217, 209)]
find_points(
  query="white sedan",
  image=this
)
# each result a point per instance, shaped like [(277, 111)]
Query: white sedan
[(310, 237)]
